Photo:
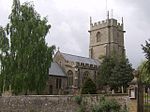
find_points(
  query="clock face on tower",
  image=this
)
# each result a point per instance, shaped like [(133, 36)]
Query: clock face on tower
[(98, 36)]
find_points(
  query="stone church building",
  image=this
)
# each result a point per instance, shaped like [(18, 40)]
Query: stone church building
[(68, 72)]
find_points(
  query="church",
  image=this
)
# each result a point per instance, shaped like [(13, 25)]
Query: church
[(68, 72)]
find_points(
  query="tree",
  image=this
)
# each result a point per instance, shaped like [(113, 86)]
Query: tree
[(4, 60), (25, 56), (145, 66), (121, 74), (142, 72), (89, 87), (105, 71), (114, 72)]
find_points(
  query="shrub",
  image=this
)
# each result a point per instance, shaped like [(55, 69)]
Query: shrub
[(89, 87), (125, 109), (78, 99), (81, 109), (96, 109), (107, 106)]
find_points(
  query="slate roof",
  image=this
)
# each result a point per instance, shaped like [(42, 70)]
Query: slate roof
[(56, 70), (80, 59)]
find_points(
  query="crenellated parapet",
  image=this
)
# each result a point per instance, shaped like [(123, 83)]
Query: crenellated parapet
[(106, 23), (86, 65)]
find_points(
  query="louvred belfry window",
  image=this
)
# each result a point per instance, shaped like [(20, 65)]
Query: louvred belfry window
[(98, 36)]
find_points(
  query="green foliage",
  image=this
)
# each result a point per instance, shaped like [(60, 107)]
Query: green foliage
[(145, 66), (121, 74), (89, 87), (125, 109), (78, 99), (107, 106), (24, 55), (146, 50), (105, 71), (144, 75), (104, 105), (114, 72), (81, 109)]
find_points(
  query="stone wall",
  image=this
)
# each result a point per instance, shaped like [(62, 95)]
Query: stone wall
[(52, 89), (50, 103), (90, 101)]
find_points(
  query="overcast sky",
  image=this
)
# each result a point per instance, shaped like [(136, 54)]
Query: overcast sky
[(70, 22)]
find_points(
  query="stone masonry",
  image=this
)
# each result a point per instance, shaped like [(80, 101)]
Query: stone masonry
[(51, 103), (106, 38)]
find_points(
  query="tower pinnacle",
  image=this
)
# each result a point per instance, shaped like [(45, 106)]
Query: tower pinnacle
[(122, 20), (90, 20), (107, 14)]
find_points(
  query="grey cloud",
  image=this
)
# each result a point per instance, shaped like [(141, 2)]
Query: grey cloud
[(70, 25)]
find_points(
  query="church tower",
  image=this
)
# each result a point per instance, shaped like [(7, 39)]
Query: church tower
[(106, 38)]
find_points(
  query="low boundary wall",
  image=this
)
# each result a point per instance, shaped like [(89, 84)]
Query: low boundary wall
[(52, 103)]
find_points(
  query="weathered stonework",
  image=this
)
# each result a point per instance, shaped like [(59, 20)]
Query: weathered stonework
[(51, 85), (111, 38), (80, 71), (53, 103), (106, 38), (133, 106)]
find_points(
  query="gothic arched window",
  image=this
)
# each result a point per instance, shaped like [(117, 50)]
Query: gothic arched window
[(85, 76), (98, 36), (70, 78)]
